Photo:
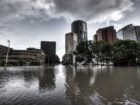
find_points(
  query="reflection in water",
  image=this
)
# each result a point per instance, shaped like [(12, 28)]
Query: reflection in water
[(47, 78), (78, 87), (102, 86), (60, 85)]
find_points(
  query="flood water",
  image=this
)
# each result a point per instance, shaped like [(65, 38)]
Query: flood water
[(61, 85)]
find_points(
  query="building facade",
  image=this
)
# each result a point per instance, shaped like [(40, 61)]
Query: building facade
[(49, 49), (3, 53), (80, 28), (120, 35), (68, 59), (129, 32), (3, 49), (70, 43), (30, 56), (107, 35), (95, 38), (70, 46)]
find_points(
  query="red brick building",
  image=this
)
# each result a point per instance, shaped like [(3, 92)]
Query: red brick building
[(107, 35)]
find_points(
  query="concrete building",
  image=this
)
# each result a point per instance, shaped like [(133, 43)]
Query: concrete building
[(70, 47), (31, 56), (137, 30), (107, 35), (68, 59), (3, 52), (80, 28), (129, 32), (95, 38), (49, 49), (3, 49), (120, 35), (78, 34), (70, 43)]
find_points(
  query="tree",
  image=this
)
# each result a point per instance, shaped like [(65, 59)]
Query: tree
[(121, 53), (107, 52), (98, 51), (84, 52), (125, 52)]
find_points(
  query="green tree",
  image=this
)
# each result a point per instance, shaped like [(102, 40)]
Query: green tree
[(98, 51), (106, 52), (84, 52), (125, 52), (122, 52)]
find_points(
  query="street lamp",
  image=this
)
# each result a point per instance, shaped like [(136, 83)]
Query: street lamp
[(7, 54), (137, 61)]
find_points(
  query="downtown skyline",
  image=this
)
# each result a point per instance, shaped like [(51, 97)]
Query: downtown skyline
[(27, 22)]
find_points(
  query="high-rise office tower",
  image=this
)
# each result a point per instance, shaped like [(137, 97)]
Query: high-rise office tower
[(48, 47), (70, 47), (70, 43), (107, 34), (130, 32), (80, 28)]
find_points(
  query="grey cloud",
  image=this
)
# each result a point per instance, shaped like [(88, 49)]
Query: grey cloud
[(20, 9), (10, 8), (90, 9), (69, 9)]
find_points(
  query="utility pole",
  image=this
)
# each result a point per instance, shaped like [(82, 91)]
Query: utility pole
[(6, 60)]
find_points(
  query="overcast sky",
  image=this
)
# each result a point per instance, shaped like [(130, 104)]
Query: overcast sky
[(27, 22)]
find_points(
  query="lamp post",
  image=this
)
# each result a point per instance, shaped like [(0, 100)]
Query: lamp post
[(137, 62), (7, 54)]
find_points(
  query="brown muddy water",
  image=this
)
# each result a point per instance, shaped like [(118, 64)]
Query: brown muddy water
[(67, 85)]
